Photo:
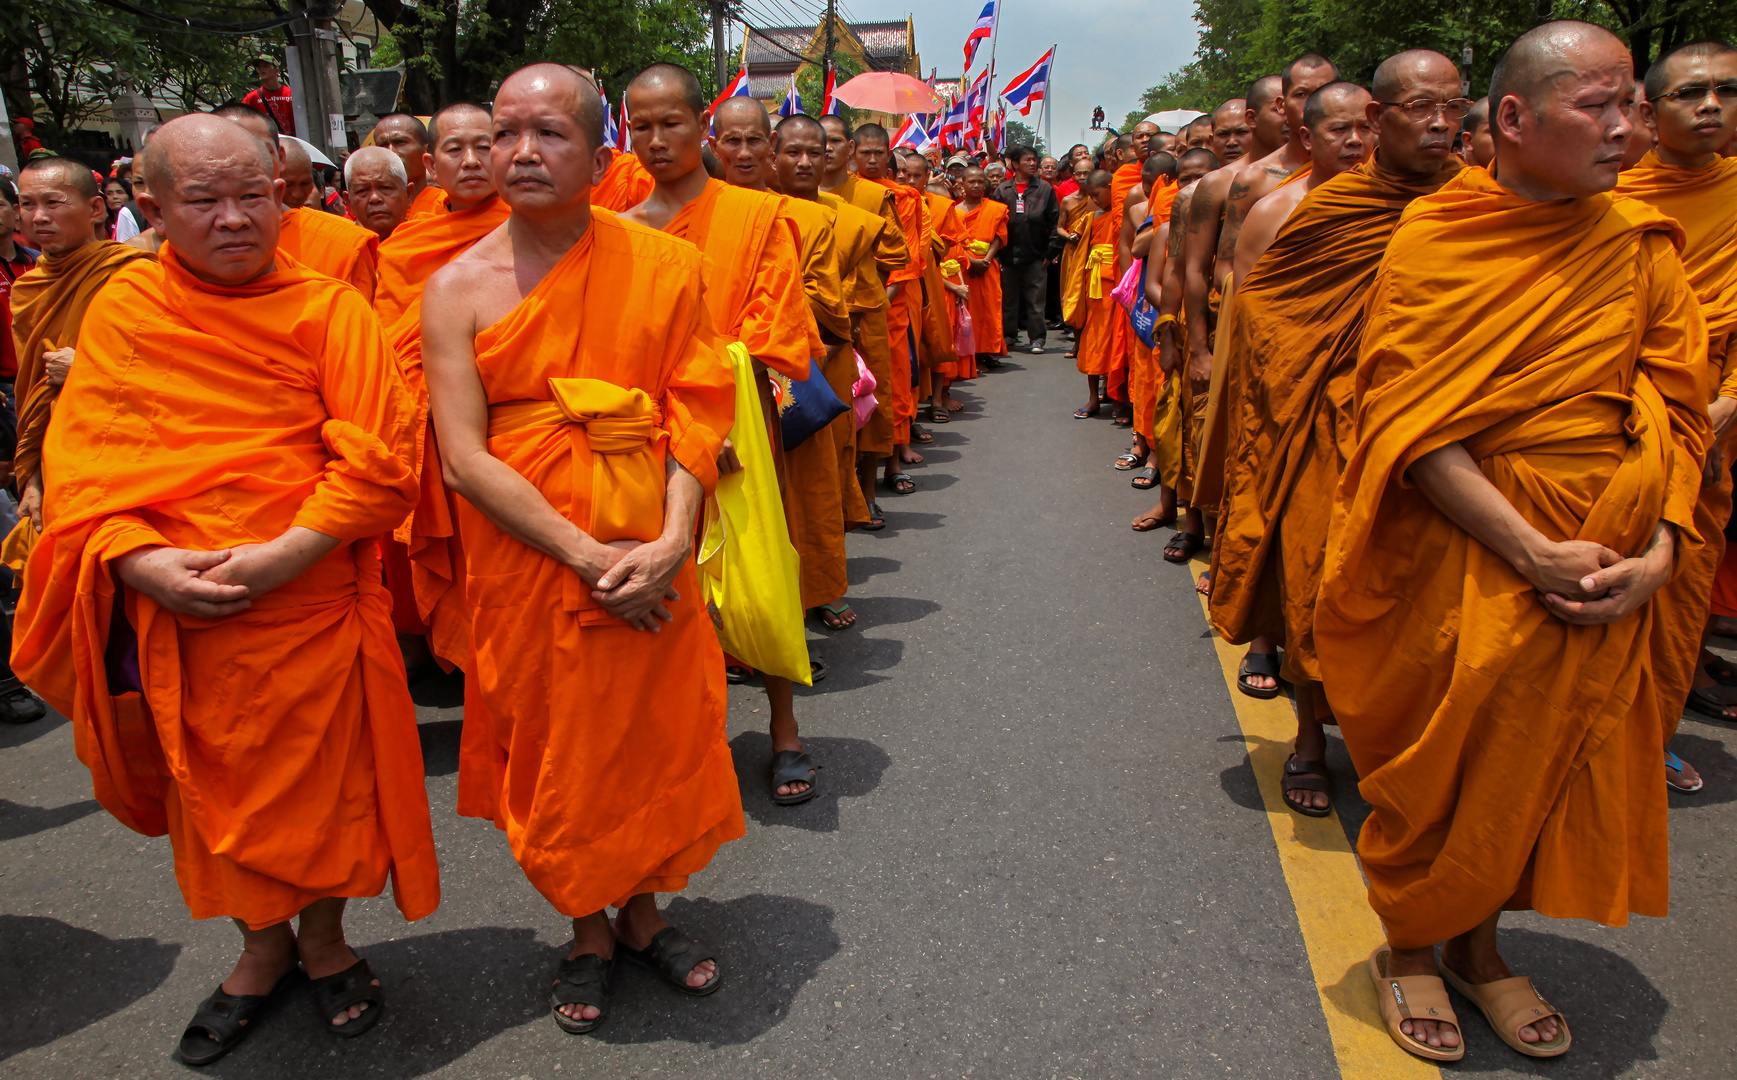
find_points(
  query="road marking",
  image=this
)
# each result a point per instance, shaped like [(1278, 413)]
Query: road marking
[(1327, 889)]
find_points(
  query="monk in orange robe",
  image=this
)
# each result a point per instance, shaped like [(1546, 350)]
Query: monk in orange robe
[(875, 166), (1305, 260), (213, 623), (942, 233), (625, 183), (59, 207), (1125, 181), (860, 241), (877, 441), (409, 140), (1100, 340), (582, 399), (424, 558), (1076, 216), (1531, 402), (754, 293), (985, 223), (1134, 241), (1684, 176)]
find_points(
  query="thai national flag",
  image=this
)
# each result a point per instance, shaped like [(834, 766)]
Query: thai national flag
[(952, 131), (985, 27), (738, 88), (626, 146), (914, 133), (975, 109), (792, 101), (1028, 87), (829, 103)]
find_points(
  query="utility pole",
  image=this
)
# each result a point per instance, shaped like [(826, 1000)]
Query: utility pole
[(718, 43), (831, 40), (311, 62)]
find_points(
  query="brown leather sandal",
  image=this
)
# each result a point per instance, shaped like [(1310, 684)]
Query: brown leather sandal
[(1413, 997)]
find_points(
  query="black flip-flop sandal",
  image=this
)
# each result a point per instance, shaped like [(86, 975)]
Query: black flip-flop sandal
[(736, 675), (583, 980), (1722, 671), (1123, 422), (672, 954), (1707, 705), (877, 520), (894, 481), (355, 985), (921, 437), (1307, 776), (1259, 663), (1182, 547), (221, 1022), (1148, 474), (793, 767), (816, 670), (939, 415)]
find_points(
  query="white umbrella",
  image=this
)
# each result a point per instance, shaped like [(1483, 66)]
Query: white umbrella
[(313, 154), (1173, 120)]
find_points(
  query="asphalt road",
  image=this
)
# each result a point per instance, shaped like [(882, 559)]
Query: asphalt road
[(1040, 853)]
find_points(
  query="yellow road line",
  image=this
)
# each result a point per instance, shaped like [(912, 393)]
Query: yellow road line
[(1327, 889)]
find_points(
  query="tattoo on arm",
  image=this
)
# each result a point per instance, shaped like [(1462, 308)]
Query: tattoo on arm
[(1173, 246)]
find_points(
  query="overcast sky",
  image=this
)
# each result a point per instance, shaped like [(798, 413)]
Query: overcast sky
[(1108, 50)]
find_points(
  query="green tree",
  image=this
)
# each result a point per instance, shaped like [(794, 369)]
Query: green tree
[(1020, 134), (811, 84), (459, 51)]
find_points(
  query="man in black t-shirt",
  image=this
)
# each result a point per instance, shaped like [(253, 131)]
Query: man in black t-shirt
[(1032, 213)]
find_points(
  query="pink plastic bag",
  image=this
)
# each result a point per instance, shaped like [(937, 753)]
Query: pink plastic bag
[(862, 393), (1128, 288), (964, 335)]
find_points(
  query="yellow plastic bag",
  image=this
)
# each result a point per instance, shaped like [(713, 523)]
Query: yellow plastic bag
[(749, 573)]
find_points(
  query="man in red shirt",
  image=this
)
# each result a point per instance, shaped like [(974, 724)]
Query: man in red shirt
[(24, 136), (272, 96)]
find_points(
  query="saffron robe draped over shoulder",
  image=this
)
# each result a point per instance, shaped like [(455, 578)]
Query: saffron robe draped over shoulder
[(1293, 354), (874, 337), (941, 235), (1703, 202), (1100, 347), (1512, 760), (426, 546), (984, 224), (754, 273), (1123, 183), (905, 311), (332, 246), (430, 200), (277, 746), (625, 184), (49, 303), (1073, 266), (599, 749)]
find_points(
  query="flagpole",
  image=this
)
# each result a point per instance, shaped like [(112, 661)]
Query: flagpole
[(989, 87), (1043, 121)]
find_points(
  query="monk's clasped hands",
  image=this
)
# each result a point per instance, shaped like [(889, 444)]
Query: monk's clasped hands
[(636, 585), (1619, 586)]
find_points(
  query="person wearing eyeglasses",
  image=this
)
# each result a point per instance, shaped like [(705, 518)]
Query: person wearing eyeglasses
[(1530, 436), (1691, 111)]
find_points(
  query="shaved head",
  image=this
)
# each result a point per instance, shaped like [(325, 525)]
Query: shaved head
[(1262, 91), (64, 172), (835, 125), (1158, 163), (258, 121), (297, 174), (1399, 73), (1302, 66), (1099, 178), (1195, 163), (1335, 97), (1659, 74), (451, 114), (871, 133), (404, 122), (672, 77), (803, 123), (212, 196), (743, 110), (1228, 112), (1544, 59), (570, 91)]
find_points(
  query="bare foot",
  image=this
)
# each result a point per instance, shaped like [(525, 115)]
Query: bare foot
[(1311, 745), (1473, 957), (907, 456), (266, 957)]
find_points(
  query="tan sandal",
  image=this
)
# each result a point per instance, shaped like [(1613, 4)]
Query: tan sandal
[(1413, 997), (1511, 1004)]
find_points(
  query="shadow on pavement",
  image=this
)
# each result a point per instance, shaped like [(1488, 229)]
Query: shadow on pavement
[(1716, 766), (439, 690), (64, 978), (875, 611), (932, 456), (18, 820), (853, 667), (18, 734), (440, 746), (861, 568), (897, 521), (768, 947), (849, 768)]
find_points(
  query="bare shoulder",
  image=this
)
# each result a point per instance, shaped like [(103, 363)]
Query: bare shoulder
[(1136, 212), (480, 278)]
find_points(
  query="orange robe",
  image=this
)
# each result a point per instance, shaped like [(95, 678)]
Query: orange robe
[(1511, 760), (625, 184), (984, 224), (1100, 349), (942, 232), (49, 303), (820, 471), (1124, 182), (1162, 200), (599, 749), (430, 200), (893, 260), (857, 237), (1704, 202), (331, 245), (1073, 268), (277, 746), (1293, 343), (424, 558), (905, 315)]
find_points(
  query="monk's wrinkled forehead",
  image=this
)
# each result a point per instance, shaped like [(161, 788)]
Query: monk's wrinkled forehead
[(60, 175), (543, 89), (1407, 75), (1557, 59)]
